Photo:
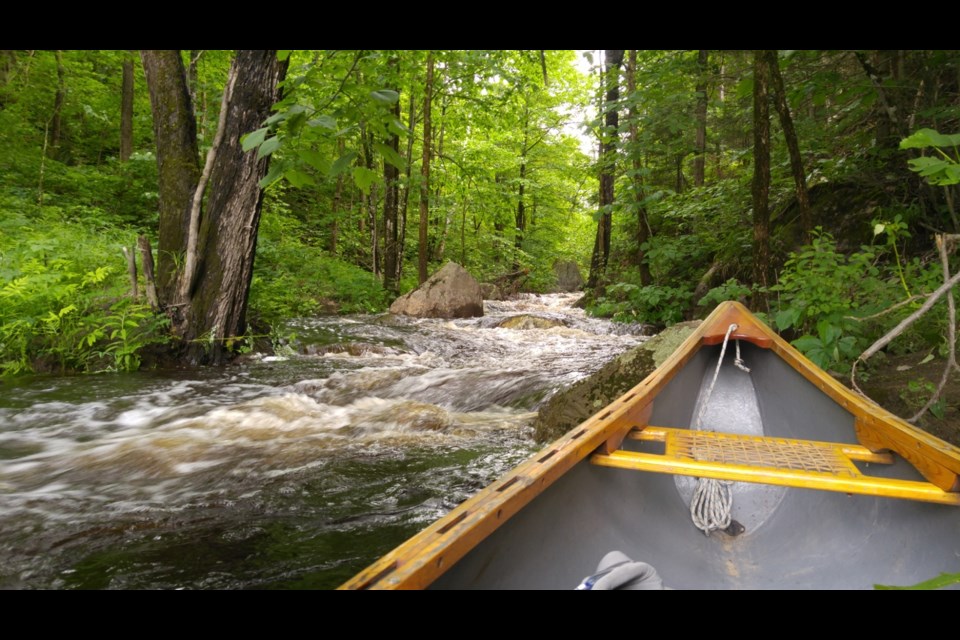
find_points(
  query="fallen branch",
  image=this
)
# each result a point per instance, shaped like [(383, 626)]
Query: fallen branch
[(942, 243), (945, 288), (912, 298)]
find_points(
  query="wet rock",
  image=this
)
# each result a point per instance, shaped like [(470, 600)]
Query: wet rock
[(449, 293), (525, 322), (569, 407), (490, 291), (568, 275)]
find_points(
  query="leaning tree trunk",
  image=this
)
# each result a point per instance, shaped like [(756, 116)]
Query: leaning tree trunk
[(761, 180), (175, 130), (228, 233)]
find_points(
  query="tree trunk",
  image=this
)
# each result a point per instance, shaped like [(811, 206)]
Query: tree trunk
[(126, 109), (643, 226), (178, 167), (521, 217), (793, 146), (700, 112), (405, 199), (214, 315), (761, 179), (613, 58), (146, 259), (228, 234), (55, 125), (425, 171), (337, 206), (391, 197), (7, 60)]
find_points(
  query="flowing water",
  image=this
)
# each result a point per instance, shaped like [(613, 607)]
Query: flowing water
[(281, 472)]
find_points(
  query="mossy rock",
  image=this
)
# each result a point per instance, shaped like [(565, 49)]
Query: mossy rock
[(569, 407)]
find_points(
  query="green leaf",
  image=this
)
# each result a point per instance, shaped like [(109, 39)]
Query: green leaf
[(878, 229), (397, 128), (342, 163), (299, 179), (254, 138), (938, 409), (283, 54), (364, 178), (943, 580), (390, 155), (385, 96), (274, 174), (807, 343), (927, 359), (828, 331), (269, 146), (787, 318), (324, 122), (315, 159), (919, 140)]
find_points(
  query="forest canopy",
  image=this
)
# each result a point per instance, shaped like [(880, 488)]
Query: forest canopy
[(809, 184)]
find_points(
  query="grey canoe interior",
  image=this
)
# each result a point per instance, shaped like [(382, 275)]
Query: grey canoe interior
[(793, 538)]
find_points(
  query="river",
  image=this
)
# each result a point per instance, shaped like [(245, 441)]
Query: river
[(291, 471)]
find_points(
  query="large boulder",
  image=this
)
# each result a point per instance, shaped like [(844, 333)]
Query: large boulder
[(449, 293), (569, 407), (568, 275)]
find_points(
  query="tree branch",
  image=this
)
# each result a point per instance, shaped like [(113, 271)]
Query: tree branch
[(942, 243)]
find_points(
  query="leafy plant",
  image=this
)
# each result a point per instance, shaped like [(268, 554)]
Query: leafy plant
[(942, 169)]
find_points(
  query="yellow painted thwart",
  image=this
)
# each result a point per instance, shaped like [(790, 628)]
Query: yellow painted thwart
[(423, 558)]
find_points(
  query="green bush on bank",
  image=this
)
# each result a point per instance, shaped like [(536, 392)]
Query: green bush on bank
[(64, 302)]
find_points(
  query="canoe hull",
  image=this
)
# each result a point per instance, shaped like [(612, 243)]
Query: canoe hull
[(547, 523)]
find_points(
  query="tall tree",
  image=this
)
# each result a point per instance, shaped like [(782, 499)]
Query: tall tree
[(210, 305), (643, 225), (126, 108), (392, 255), (793, 146), (761, 177), (700, 113), (613, 58), (55, 119), (425, 172), (175, 131)]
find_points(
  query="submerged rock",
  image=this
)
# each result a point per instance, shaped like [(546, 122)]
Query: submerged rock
[(525, 322), (569, 407), (449, 293), (490, 291)]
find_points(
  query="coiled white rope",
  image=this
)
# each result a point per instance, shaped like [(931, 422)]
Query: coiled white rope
[(711, 507)]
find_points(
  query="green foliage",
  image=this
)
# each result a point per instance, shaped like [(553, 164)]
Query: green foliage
[(652, 304), (819, 292), (941, 581), (916, 394), (62, 304), (943, 170), (729, 290), (293, 278)]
